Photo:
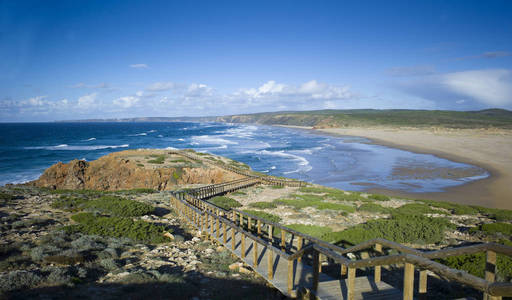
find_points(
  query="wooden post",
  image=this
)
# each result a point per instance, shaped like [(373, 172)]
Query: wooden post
[(490, 271), (243, 244), (218, 227), (270, 263), (224, 236), (408, 281), (377, 275), (270, 234), (242, 220), (258, 226), (233, 242), (351, 282), (422, 287), (249, 223), (283, 240), (212, 237), (316, 274), (320, 257), (343, 270), (255, 253), (299, 246), (290, 277)]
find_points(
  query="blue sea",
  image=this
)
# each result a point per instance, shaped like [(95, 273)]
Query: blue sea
[(349, 163)]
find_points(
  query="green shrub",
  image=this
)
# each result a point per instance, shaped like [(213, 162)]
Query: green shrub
[(264, 215), (276, 187), (69, 203), (138, 230), (494, 228), (378, 197), (225, 202), (312, 230), (4, 197), (117, 206), (334, 206), (239, 193), (475, 264), (297, 204), (373, 208), (137, 191), (400, 228), (263, 205), (415, 209), (158, 160), (454, 208)]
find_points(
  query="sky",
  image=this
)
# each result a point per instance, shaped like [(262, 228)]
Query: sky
[(62, 60)]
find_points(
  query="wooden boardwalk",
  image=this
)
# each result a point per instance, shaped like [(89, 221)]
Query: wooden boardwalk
[(293, 262), (267, 263)]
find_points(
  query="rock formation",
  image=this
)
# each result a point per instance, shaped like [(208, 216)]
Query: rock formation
[(129, 170)]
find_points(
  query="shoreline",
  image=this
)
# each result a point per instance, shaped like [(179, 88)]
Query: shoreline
[(472, 146)]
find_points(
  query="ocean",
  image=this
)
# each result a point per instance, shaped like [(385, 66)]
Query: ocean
[(349, 163)]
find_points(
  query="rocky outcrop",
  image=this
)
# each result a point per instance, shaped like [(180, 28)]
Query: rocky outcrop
[(124, 170)]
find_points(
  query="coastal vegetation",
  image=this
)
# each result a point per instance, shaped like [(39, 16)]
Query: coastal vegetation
[(488, 118), (225, 202)]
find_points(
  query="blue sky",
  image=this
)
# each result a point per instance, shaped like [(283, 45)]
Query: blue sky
[(115, 59)]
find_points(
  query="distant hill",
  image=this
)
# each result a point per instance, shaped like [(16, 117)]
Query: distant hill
[(498, 118)]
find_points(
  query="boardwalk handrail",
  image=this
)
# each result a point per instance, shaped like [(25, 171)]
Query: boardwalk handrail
[(268, 179), (197, 210)]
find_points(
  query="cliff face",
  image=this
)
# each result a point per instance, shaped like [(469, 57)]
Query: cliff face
[(129, 170)]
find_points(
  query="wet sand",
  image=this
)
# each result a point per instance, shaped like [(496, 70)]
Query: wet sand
[(489, 149)]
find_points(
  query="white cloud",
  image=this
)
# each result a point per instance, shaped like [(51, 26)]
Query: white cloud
[(311, 90), (490, 87), (139, 66), (487, 88), (87, 101), (161, 86), (126, 102), (199, 90)]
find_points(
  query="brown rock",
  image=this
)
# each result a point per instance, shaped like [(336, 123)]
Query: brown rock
[(123, 170)]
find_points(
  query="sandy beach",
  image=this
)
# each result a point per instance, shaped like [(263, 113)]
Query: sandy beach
[(489, 149)]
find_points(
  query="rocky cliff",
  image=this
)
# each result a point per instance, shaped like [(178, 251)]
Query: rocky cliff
[(132, 169)]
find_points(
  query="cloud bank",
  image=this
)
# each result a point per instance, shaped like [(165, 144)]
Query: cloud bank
[(487, 88)]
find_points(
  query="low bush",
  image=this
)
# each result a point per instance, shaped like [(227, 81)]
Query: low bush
[(373, 208), (137, 191), (225, 202), (138, 230), (263, 205), (474, 264), (378, 197), (65, 259), (416, 209), (19, 279), (416, 229), (312, 230), (69, 203), (454, 208), (264, 215), (239, 193), (121, 207), (277, 187), (494, 228), (159, 159), (334, 206)]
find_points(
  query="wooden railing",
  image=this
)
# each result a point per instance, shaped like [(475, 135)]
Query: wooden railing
[(265, 179), (296, 247)]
